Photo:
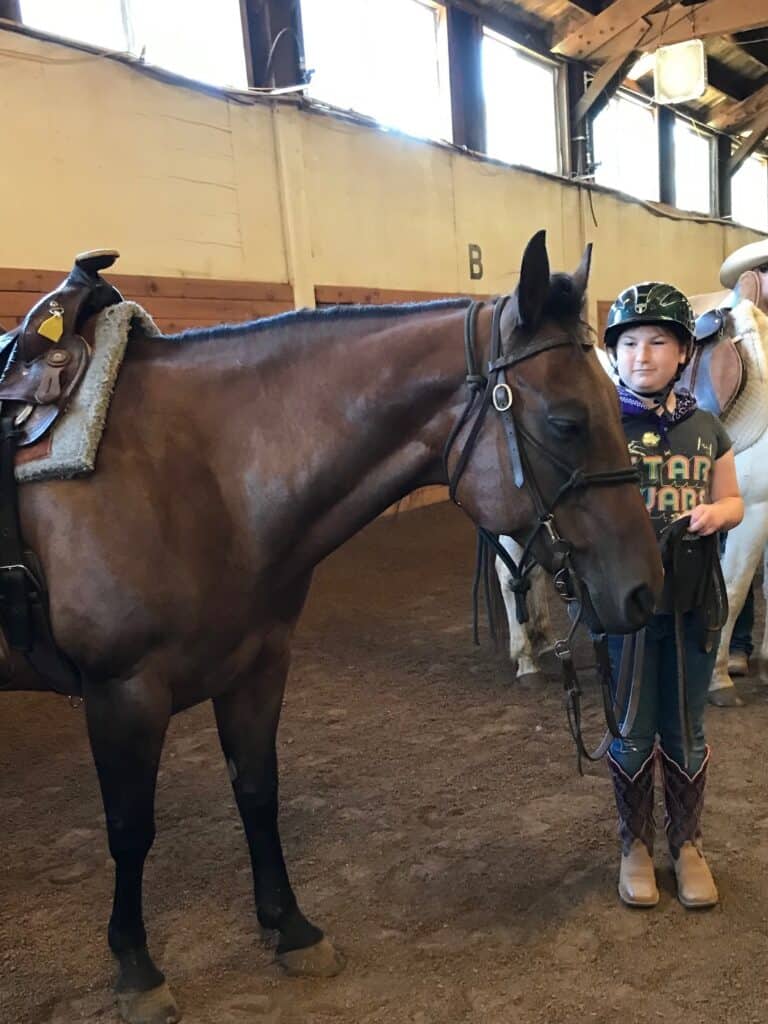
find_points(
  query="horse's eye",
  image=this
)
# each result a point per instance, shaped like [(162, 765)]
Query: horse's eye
[(566, 426)]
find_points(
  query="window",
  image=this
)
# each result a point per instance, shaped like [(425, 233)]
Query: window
[(384, 58), (98, 22), (693, 167), (195, 40), (626, 148), (749, 193), (520, 105)]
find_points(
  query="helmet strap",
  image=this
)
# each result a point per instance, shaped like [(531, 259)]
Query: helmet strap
[(659, 398)]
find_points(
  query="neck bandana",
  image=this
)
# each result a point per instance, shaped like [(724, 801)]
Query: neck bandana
[(632, 405)]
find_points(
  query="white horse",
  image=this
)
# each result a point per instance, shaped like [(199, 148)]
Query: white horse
[(747, 425)]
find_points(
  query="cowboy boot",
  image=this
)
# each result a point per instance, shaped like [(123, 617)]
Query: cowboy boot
[(634, 802), (685, 800)]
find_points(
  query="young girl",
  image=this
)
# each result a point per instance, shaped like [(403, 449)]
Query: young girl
[(687, 469)]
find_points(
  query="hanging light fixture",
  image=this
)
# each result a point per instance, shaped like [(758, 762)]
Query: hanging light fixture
[(680, 72)]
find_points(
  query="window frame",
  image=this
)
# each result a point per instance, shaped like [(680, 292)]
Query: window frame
[(763, 159), (641, 100), (557, 68), (710, 136), (444, 127), (128, 47)]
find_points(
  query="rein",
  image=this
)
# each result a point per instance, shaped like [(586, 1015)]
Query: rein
[(493, 390)]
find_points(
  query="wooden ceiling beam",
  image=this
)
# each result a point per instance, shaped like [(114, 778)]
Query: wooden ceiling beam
[(754, 43), (759, 127), (582, 41), (717, 18), (607, 80), (743, 112), (728, 81), (678, 24)]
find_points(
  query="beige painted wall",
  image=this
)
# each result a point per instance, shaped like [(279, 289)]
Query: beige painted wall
[(184, 183)]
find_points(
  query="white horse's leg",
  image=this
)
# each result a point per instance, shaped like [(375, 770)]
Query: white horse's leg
[(520, 649), (764, 647), (540, 626), (743, 551)]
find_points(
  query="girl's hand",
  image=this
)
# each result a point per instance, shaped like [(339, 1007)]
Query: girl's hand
[(706, 519)]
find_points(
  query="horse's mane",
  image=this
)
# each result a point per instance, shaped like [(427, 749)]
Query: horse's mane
[(318, 316), (563, 302)]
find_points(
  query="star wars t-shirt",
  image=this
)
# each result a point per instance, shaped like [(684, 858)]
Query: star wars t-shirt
[(675, 461)]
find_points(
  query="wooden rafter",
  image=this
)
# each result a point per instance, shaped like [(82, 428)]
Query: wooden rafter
[(759, 128), (717, 18), (678, 23), (754, 43), (743, 112), (607, 80), (582, 41)]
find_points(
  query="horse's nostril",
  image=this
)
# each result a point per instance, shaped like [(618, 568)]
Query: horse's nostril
[(639, 605)]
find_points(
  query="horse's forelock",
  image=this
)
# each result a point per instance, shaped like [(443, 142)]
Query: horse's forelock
[(564, 300)]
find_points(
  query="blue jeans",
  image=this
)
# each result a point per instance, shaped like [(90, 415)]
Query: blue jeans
[(658, 713), (741, 640)]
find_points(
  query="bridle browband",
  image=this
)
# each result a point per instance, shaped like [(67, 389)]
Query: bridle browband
[(494, 390)]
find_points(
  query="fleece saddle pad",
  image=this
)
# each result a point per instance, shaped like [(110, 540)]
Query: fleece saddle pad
[(69, 450)]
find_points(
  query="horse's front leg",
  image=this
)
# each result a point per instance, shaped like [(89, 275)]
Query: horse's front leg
[(247, 719), (521, 651), (127, 722)]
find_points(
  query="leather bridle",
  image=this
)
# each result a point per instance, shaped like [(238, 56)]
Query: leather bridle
[(493, 391)]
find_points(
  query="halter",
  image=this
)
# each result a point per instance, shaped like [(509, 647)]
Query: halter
[(494, 390)]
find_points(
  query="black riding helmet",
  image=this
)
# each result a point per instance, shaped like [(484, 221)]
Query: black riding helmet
[(652, 302)]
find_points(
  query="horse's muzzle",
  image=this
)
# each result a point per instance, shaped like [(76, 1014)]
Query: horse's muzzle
[(638, 606)]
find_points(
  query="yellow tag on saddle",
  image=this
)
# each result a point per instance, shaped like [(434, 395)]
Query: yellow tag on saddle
[(52, 327)]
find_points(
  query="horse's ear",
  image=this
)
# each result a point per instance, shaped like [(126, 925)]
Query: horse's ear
[(533, 288), (581, 274)]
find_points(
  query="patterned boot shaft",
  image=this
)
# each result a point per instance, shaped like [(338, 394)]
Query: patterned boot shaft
[(685, 801), (634, 802)]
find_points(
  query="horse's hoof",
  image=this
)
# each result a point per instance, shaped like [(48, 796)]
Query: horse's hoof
[(157, 1006), (318, 961), (725, 697), (536, 678)]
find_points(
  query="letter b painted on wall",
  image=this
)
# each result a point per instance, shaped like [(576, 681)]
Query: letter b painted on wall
[(475, 261)]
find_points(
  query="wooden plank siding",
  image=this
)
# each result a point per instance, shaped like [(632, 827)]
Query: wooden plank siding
[(343, 295), (176, 303), (603, 308)]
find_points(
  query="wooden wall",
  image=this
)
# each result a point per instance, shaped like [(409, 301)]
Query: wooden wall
[(175, 303)]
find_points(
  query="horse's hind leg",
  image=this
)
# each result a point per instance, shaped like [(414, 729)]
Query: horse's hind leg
[(126, 724), (247, 719)]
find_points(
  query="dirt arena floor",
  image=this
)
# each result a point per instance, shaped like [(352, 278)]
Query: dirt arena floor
[(432, 818)]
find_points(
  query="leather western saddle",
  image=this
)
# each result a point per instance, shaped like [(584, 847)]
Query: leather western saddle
[(42, 361), (716, 374)]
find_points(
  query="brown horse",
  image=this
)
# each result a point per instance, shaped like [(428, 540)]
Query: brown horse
[(235, 459)]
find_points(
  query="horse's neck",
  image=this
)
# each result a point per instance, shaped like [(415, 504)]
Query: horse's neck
[(342, 419)]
